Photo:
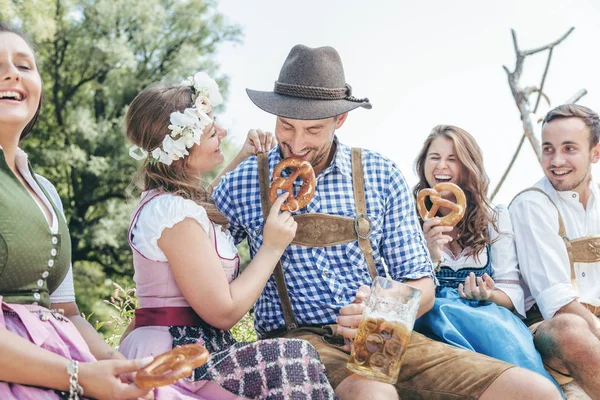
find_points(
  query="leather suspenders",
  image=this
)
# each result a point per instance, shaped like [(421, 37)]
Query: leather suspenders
[(322, 230)]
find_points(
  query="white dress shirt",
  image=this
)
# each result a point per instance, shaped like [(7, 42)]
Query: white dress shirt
[(543, 257), (504, 260)]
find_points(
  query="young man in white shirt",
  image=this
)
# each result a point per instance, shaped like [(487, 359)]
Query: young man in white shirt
[(561, 271)]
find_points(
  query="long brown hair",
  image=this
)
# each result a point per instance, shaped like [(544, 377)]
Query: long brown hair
[(146, 125), (473, 227), (4, 28)]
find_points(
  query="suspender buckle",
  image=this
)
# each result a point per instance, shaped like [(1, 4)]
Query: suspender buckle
[(291, 326), (362, 226)]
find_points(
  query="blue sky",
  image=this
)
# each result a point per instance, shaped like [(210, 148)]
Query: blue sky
[(421, 64)]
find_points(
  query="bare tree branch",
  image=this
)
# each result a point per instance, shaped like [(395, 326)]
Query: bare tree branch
[(521, 96), (510, 165), (576, 97), (541, 91), (548, 46)]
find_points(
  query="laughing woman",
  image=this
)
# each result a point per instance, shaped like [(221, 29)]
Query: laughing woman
[(47, 350), (476, 261)]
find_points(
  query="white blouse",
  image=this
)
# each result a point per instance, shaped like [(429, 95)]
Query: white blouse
[(65, 293), (542, 253), (504, 260), (165, 211)]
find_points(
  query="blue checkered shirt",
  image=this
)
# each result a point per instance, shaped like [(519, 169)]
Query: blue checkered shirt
[(322, 280)]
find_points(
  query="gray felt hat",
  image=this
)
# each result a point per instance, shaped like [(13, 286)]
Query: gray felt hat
[(311, 85)]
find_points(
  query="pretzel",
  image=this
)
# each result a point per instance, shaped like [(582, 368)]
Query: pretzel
[(304, 170), (171, 366), (458, 208)]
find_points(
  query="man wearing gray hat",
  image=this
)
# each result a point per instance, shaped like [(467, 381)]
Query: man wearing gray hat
[(361, 223)]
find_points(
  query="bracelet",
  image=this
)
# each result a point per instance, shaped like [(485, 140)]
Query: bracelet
[(75, 389), (439, 264)]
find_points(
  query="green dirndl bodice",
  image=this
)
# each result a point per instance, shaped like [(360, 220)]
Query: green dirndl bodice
[(33, 260)]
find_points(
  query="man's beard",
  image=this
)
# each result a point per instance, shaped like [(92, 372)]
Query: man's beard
[(566, 186)]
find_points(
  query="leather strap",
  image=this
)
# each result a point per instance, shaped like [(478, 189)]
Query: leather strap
[(593, 309), (586, 249), (284, 297), (321, 230), (362, 222), (562, 232)]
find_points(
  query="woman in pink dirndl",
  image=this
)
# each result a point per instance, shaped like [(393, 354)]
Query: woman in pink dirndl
[(186, 263)]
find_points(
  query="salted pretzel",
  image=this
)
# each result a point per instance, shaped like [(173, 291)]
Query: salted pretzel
[(302, 169), (458, 208), (171, 366)]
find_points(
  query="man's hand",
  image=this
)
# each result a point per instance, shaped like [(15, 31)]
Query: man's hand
[(351, 315)]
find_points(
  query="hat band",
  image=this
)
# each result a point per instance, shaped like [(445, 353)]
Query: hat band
[(312, 92)]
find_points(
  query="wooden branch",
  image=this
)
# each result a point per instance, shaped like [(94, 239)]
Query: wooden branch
[(576, 97), (521, 97), (548, 46), (541, 91), (512, 161), (515, 44), (529, 90)]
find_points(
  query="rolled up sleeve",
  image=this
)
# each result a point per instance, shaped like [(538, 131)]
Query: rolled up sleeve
[(543, 258), (505, 261), (403, 245)]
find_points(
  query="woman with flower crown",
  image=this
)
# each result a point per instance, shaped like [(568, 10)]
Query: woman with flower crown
[(186, 264)]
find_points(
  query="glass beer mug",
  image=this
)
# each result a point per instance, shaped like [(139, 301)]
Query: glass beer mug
[(384, 331)]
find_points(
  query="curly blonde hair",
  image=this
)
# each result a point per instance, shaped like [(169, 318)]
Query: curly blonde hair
[(473, 227), (146, 126)]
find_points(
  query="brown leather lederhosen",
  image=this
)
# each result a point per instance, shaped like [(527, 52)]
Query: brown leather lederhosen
[(322, 230), (580, 250)]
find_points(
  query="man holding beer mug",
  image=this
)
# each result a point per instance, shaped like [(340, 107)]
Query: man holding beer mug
[(361, 220)]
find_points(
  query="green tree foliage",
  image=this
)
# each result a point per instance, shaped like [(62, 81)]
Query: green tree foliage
[(94, 57)]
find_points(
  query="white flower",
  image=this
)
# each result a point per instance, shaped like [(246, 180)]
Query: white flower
[(175, 147), (203, 119), (161, 156), (165, 158), (203, 104), (188, 140), (176, 129), (207, 86), (187, 118)]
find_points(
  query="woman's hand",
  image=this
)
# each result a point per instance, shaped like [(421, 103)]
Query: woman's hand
[(102, 379), (436, 237), (351, 315), (256, 142), (476, 288), (280, 228)]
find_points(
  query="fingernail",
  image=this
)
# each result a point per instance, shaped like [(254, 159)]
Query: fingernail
[(145, 361)]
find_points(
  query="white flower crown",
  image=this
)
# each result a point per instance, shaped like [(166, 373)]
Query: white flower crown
[(187, 127)]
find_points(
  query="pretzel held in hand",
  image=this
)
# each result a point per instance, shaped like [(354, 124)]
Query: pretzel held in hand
[(458, 208), (302, 169), (171, 366)]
